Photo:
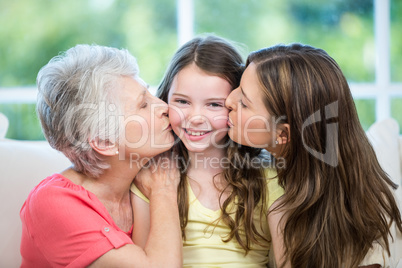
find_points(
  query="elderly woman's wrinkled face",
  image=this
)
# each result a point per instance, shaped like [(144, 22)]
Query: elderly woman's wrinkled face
[(147, 129)]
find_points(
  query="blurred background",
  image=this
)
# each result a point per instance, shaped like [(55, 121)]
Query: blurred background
[(363, 36)]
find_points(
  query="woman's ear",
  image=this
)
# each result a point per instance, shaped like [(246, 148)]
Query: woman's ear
[(283, 134), (104, 147)]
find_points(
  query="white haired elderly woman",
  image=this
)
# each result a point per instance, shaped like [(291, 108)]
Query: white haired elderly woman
[(96, 110)]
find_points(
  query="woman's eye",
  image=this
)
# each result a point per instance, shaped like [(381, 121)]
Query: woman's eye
[(242, 104), (144, 105)]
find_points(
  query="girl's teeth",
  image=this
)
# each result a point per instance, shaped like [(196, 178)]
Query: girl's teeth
[(195, 133)]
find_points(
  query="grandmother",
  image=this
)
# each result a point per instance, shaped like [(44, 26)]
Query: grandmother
[(96, 110)]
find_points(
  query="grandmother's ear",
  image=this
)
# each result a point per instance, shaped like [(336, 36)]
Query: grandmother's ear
[(104, 147)]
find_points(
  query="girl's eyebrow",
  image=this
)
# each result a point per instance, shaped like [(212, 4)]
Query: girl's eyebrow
[(216, 99), (209, 99), (180, 95), (244, 94)]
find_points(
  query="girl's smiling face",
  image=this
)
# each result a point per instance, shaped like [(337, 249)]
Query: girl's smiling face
[(197, 109)]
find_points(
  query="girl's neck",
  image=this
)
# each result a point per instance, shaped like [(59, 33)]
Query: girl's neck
[(206, 168), (208, 160), (206, 178)]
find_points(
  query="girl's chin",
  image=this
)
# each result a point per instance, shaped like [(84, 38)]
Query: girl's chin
[(196, 147)]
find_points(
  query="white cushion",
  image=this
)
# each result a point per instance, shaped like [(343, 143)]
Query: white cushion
[(23, 165), (3, 125), (400, 156), (384, 136)]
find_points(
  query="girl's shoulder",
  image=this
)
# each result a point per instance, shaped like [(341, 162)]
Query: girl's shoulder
[(134, 189), (274, 190), (271, 173)]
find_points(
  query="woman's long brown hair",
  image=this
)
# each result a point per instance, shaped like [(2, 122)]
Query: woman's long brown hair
[(338, 200), (245, 182)]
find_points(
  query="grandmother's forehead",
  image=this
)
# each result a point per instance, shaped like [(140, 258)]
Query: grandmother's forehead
[(141, 81)]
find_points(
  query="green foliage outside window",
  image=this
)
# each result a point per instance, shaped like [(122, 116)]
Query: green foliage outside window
[(23, 121), (366, 112), (35, 31), (396, 41), (396, 111), (344, 28), (38, 30)]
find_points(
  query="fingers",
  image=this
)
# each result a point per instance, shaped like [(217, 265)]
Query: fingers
[(161, 172)]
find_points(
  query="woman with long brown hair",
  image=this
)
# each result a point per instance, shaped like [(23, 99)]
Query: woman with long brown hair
[(338, 203)]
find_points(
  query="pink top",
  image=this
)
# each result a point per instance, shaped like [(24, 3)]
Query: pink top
[(64, 225)]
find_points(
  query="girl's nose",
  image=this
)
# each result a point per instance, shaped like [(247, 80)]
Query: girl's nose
[(197, 119)]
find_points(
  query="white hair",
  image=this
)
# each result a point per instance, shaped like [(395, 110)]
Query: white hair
[(77, 101)]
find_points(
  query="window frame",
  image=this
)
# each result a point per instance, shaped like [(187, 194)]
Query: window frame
[(382, 90)]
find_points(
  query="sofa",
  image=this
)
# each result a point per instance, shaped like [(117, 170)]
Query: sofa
[(25, 163)]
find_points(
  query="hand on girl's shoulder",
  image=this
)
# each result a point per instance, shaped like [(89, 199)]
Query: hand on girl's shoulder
[(160, 173)]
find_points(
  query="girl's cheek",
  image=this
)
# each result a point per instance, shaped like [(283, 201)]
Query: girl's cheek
[(176, 117), (174, 111), (222, 122)]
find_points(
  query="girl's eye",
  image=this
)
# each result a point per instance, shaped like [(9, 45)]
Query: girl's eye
[(144, 105), (181, 101), (216, 104)]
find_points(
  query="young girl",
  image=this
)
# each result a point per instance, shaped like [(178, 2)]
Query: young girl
[(338, 205), (224, 194)]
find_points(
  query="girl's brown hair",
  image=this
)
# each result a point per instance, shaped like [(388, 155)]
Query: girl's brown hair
[(219, 57), (337, 200)]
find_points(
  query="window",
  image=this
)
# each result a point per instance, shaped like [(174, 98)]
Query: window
[(362, 36), (39, 30), (396, 60), (343, 28)]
